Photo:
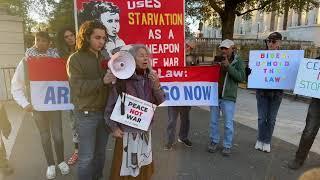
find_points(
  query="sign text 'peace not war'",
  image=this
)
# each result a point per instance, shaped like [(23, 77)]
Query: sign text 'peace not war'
[(137, 112)]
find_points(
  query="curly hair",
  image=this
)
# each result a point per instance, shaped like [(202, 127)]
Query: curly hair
[(92, 10), (63, 48), (85, 31)]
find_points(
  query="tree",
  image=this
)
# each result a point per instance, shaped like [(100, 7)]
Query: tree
[(62, 15), (23, 8), (227, 10)]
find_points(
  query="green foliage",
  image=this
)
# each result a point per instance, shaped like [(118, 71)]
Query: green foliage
[(63, 15), (224, 11)]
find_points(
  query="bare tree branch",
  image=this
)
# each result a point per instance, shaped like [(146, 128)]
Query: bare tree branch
[(262, 6), (215, 6)]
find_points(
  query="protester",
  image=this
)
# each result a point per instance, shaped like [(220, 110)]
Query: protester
[(144, 84), (268, 103), (309, 134), (49, 123), (66, 42), (231, 73), (89, 88), (5, 130), (181, 111)]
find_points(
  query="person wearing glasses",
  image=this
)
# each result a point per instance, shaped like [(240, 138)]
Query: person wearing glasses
[(268, 103)]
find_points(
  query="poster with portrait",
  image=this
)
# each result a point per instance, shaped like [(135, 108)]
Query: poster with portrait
[(159, 24)]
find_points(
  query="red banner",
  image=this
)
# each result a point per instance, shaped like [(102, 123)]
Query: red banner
[(159, 24), (189, 74), (49, 86), (190, 86), (47, 69)]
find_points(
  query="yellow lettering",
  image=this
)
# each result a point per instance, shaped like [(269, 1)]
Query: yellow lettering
[(131, 18)]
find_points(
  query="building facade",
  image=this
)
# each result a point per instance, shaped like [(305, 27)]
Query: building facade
[(305, 26)]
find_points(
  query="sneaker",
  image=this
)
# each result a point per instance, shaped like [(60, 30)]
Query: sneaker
[(212, 147), (168, 147), (226, 152), (295, 164), (258, 145), (51, 172), (186, 142), (64, 168), (266, 148)]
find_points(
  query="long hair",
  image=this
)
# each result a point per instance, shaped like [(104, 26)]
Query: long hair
[(134, 50), (85, 31), (63, 49)]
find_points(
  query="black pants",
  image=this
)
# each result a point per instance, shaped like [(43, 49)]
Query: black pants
[(49, 124), (310, 131)]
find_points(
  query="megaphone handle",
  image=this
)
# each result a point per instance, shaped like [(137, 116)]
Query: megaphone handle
[(123, 98)]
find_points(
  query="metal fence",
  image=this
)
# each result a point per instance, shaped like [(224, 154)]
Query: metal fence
[(6, 74), (211, 42)]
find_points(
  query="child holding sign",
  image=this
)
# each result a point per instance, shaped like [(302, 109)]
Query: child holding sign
[(143, 84)]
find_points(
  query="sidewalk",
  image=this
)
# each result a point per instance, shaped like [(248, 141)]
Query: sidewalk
[(193, 163)]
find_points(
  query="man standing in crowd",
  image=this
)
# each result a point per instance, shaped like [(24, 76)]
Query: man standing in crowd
[(231, 73), (268, 103), (89, 88), (181, 111), (49, 123), (309, 133)]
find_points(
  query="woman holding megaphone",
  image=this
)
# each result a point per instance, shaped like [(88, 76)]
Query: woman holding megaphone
[(132, 157)]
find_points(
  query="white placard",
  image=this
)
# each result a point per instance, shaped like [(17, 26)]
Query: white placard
[(276, 69), (138, 113), (308, 79)]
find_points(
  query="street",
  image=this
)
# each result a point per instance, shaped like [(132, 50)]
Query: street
[(184, 163)]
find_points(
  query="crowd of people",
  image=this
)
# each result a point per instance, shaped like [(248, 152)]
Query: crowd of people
[(95, 90)]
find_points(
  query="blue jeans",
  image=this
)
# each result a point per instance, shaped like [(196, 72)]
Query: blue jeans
[(268, 106), (228, 109), (173, 113), (92, 146)]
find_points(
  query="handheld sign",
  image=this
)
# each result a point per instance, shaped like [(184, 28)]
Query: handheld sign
[(138, 113), (49, 86), (274, 69), (190, 86), (308, 79)]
